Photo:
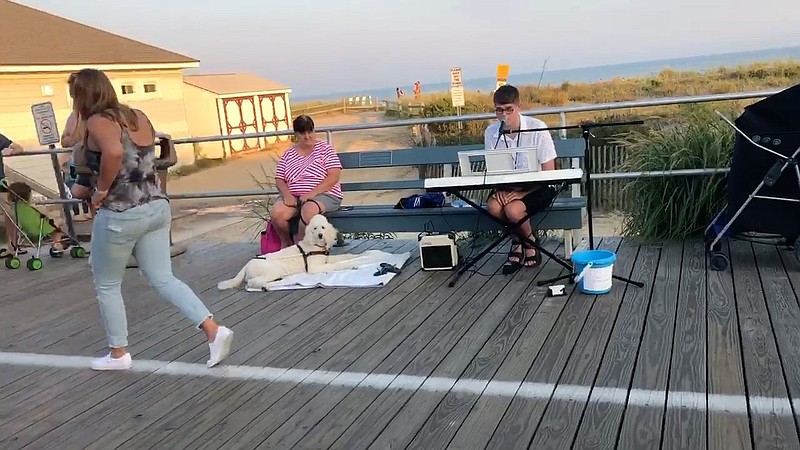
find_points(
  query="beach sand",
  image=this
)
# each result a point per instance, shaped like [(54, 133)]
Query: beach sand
[(237, 174)]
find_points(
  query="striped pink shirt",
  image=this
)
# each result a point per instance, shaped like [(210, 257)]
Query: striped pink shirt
[(304, 173)]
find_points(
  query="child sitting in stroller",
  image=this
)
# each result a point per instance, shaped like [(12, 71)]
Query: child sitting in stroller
[(26, 224)]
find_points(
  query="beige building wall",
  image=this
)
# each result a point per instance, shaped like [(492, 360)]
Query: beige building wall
[(159, 93), (201, 114), (164, 103), (19, 91), (165, 107)]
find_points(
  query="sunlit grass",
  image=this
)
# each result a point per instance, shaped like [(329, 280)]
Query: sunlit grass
[(675, 207)]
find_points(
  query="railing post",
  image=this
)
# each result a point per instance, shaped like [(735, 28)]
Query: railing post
[(329, 137), (62, 192), (575, 163), (562, 122)]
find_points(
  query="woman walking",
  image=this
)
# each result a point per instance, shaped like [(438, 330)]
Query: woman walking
[(133, 217)]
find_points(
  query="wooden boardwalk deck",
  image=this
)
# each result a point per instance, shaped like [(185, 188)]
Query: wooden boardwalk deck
[(696, 359)]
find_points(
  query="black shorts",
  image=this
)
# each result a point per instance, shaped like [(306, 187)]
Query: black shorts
[(539, 199)]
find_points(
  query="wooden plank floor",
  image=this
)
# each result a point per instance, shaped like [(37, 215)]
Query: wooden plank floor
[(696, 359)]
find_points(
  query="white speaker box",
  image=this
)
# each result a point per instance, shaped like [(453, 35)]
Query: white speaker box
[(438, 251)]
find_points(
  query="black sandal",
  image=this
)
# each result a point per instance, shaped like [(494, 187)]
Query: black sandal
[(513, 266), (536, 259)]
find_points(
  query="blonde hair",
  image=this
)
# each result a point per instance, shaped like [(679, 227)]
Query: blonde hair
[(93, 93), (79, 130)]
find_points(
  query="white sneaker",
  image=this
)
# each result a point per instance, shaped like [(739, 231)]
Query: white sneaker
[(109, 363), (221, 347)]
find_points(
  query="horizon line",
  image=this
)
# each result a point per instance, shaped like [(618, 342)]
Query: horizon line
[(330, 94)]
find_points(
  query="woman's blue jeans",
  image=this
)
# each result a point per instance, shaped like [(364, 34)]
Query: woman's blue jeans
[(144, 232)]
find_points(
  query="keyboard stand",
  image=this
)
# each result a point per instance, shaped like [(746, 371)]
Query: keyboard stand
[(508, 228)]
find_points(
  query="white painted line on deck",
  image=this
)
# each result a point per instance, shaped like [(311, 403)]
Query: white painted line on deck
[(697, 401)]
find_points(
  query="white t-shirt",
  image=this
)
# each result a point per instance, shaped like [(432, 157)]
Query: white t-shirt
[(541, 140)]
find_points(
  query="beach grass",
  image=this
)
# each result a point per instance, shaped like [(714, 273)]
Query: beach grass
[(667, 83), (688, 136)]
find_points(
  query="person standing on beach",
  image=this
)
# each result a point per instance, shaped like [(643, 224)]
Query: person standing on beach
[(133, 217)]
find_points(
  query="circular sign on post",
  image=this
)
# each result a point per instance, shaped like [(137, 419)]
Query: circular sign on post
[(45, 119)]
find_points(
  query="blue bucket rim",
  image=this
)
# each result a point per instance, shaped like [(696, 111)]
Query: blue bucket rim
[(598, 257)]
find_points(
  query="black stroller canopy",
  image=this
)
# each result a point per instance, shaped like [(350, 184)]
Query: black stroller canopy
[(774, 124), (780, 112)]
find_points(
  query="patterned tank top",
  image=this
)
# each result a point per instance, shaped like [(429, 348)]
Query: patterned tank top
[(137, 182)]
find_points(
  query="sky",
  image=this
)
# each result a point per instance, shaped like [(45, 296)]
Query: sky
[(323, 46)]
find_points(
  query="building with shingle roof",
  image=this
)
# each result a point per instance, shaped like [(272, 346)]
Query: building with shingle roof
[(236, 103), (39, 50), (48, 43)]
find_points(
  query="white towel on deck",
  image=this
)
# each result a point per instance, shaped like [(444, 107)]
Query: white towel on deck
[(363, 277)]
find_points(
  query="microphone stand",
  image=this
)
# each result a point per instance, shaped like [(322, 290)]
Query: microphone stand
[(586, 133)]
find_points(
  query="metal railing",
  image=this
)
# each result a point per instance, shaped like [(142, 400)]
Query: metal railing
[(329, 130), (562, 111)]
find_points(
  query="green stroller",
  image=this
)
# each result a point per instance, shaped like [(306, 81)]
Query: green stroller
[(33, 228)]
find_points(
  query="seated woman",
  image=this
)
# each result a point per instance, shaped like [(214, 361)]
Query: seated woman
[(307, 178)]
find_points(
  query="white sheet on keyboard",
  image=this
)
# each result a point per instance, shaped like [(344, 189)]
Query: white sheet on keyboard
[(363, 277)]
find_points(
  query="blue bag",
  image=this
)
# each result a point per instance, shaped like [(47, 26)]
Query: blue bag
[(428, 200)]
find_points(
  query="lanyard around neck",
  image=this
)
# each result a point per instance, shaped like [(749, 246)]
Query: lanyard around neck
[(505, 138)]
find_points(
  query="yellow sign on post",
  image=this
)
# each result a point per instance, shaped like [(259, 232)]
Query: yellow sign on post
[(502, 75)]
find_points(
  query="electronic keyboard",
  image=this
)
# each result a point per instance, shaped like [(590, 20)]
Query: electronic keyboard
[(506, 179)]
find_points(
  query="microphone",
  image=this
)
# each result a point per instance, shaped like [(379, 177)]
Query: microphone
[(502, 128)]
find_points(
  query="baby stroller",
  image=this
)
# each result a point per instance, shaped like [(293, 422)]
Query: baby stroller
[(764, 178), (32, 225)]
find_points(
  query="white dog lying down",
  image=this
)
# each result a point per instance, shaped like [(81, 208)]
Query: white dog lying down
[(309, 255)]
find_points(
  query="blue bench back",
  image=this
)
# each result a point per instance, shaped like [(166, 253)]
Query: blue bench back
[(564, 214)]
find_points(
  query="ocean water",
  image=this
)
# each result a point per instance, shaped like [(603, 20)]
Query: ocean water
[(586, 74)]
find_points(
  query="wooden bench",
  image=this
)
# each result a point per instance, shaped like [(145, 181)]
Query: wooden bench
[(566, 213)]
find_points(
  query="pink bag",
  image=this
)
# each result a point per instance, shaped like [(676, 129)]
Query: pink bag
[(270, 242)]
